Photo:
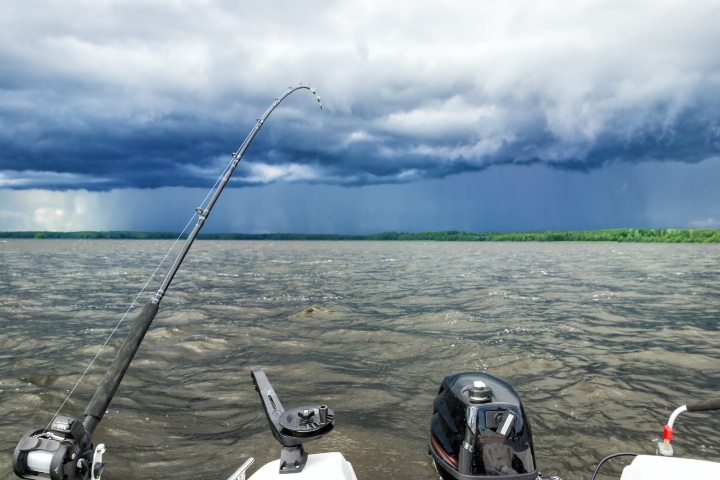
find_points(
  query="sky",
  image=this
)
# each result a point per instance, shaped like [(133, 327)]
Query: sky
[(477, 115)]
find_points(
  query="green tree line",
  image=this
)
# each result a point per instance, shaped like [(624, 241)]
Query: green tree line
[(612, 235)]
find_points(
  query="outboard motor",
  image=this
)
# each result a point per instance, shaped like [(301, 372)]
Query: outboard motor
[(479, 430)]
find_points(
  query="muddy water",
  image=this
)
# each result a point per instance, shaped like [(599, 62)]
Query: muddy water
[(600, 340)]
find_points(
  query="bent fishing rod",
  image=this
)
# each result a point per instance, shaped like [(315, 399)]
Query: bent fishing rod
[(64, 449)]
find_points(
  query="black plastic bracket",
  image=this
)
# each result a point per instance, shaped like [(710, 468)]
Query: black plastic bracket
[(294, 427), (293, 459)]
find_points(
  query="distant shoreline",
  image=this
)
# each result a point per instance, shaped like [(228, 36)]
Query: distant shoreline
[(611, 235)]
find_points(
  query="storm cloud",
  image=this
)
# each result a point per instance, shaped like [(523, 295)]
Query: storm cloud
[(148, 94)]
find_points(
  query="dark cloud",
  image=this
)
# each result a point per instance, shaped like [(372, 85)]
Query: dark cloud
[(145, 95)]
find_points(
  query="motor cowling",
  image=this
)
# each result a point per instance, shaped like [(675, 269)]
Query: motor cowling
[(479, 430)]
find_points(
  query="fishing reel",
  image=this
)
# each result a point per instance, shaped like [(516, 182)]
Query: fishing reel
[(64, 452)]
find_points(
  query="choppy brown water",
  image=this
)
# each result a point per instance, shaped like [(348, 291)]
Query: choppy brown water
[(602, 341)]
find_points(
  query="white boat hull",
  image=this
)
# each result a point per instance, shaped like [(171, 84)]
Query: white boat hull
[(650, 467), (320, 466)]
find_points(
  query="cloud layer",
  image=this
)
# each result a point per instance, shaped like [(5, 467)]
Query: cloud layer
[(146, 94), (504, 198)]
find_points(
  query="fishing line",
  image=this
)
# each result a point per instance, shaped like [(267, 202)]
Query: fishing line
[(136, 298)]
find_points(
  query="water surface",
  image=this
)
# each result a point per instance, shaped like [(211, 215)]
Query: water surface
[(601, 340)]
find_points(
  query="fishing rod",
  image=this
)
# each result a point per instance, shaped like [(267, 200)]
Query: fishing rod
[(64, 451)]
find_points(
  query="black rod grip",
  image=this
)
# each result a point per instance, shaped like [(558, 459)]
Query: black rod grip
[(107, 388), (703, 406)]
